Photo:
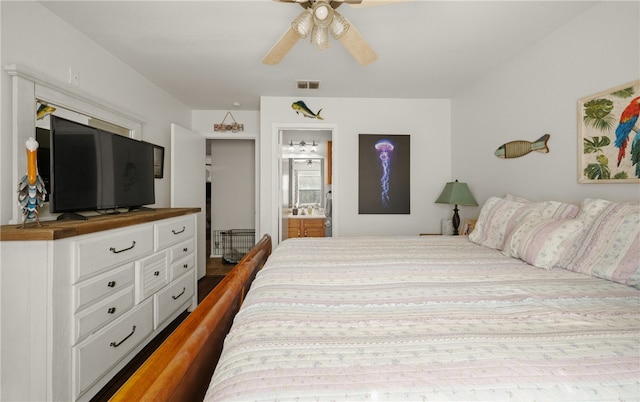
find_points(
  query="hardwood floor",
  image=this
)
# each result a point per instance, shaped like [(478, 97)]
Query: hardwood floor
[(216, 270)]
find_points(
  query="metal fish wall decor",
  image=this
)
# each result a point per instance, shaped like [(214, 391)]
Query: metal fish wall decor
[(516, 149)]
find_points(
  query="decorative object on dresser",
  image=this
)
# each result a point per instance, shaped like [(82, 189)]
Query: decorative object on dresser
[(31, 190), (94, 294), (456, 193), (158, 161)]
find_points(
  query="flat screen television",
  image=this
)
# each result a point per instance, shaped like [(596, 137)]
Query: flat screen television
[(92, 169)]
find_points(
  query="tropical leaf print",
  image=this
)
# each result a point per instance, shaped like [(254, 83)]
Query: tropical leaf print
[(595, 144), (599, 170), (597, 114), (624, 93)]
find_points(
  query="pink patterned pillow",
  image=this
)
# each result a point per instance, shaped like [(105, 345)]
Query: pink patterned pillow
[(610, 246), (541, 242), (499, 216)]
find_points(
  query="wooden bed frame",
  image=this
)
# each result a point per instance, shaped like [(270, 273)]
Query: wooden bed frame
[(181, 368)]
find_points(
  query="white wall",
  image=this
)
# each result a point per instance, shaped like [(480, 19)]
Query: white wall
[(536, 93), (33, 37), (233, 189), (428, 123)]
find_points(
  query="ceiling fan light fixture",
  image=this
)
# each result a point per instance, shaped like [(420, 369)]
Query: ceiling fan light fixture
[(320, 36), (322, 13), (339, 26), (303, 23)]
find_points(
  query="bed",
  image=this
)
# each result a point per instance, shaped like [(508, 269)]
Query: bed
[(439, 317)]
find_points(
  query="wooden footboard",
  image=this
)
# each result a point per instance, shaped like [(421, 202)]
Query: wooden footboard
[(181, 368)]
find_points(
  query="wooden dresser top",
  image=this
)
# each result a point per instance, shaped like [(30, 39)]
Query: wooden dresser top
[(54, 230)]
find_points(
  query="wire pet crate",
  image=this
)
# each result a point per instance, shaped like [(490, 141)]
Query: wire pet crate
[(236, 243)]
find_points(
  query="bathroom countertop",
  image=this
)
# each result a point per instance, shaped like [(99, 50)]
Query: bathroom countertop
[(291, 216)]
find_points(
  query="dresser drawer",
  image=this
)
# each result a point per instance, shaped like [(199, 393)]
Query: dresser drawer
[(97, 253), (96, 316), (173, 231), (100, 352), (181, 267), (168, 300), (102, 286), (151, 275), (183, 249)]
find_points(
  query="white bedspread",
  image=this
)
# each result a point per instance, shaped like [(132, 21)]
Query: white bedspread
[(426, 318)]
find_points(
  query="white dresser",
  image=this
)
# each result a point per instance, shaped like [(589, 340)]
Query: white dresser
[(79, 299)]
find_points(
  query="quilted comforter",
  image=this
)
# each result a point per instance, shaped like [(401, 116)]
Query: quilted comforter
[(426, 318)]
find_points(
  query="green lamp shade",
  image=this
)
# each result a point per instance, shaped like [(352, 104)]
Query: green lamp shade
[(458, 193)]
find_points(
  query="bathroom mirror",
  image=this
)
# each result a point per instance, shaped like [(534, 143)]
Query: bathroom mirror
[(306, 181)]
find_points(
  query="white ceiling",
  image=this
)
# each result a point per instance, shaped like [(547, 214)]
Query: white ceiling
[(208, 54)]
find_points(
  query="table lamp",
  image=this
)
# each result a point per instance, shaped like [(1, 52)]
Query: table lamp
[(456, 193)]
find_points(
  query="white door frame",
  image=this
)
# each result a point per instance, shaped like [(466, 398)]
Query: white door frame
[(256, 147), (276, 213)]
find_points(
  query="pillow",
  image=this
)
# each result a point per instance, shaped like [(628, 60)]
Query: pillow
[(610, 246), (499, 216), (541, 242), (511, 197), (561, 209), (589, 211)]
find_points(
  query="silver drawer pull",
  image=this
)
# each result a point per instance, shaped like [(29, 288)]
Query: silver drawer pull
[(116, 344), (111, 284), (181, 293), (114, 251), (111, 310), (179, 231), (157, 273)]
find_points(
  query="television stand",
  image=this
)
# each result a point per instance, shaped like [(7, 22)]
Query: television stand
[(71, 215)]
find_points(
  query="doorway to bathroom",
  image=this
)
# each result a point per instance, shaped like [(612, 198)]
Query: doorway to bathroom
[(306, 180)]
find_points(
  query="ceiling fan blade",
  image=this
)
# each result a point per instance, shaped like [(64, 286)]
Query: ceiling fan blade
[(358, 47), (369, 3), (303, 3), (281, 48)]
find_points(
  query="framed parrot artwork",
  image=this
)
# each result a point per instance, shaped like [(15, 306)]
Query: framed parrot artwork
[(609, 137)]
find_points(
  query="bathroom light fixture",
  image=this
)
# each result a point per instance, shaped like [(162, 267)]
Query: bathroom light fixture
[(303, 146)]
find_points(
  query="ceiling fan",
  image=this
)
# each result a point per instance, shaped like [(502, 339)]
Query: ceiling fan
[(318, 19)]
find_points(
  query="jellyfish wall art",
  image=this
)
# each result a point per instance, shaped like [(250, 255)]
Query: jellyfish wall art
[(384, 174)]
